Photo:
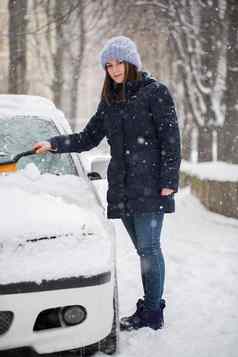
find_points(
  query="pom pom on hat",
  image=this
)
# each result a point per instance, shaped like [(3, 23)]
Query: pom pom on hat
[(120, 48)]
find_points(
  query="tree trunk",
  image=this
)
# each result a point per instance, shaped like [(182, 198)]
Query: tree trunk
[(58, 81), (220, 144), (77, 66), (230, 129), (187, 143), (205, 139), (208, 71), (17, 83)]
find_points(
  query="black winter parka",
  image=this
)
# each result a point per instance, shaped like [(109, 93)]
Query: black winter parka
[(144, 138)]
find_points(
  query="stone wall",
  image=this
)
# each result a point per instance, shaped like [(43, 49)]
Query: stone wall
[(219, 197)]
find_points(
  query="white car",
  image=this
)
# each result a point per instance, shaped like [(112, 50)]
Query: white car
[(58, 288)]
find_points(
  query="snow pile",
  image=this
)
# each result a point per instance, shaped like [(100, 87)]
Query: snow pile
[(63, 208), (215, 170)]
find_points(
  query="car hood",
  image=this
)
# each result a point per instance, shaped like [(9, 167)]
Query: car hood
[(50, 226)]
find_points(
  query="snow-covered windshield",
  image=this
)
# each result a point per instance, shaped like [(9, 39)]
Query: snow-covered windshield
[(19, 133)]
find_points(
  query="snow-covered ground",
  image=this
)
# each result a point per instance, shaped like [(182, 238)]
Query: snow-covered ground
[(201, 317)]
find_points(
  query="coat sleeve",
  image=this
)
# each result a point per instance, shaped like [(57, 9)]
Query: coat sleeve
[(165, 119), (87, 139)]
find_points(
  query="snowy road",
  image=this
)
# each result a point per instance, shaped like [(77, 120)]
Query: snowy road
[(201, 318)]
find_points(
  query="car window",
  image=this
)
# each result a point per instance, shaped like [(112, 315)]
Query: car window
[(18, 134)]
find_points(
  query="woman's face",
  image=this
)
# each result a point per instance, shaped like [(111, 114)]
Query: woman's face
[(116, 70)]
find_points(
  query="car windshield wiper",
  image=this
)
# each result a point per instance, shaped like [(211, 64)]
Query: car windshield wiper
[(33, 240)]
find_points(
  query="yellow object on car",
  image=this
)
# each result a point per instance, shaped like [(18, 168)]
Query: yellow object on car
[(11, 166)]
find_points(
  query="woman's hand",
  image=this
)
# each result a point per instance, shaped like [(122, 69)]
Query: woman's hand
[(42, 147), (166, 191)]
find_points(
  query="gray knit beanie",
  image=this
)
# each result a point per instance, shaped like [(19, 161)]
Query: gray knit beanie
[(120, 48)]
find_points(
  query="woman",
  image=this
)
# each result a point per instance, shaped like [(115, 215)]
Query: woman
[(137, 115)]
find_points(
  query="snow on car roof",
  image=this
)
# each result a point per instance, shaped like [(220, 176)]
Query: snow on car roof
[(13, 105), (36, 207)]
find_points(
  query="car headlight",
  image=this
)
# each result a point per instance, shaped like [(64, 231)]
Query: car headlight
[(73, 315)]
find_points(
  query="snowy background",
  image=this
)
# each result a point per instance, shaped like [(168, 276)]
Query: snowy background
[(51, 48)]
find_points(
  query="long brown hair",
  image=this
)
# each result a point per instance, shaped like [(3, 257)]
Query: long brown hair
[(118, 95)]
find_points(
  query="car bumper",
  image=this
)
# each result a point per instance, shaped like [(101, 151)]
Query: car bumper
[(26, 302)]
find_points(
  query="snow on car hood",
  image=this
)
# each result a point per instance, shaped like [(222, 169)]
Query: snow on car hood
[(51, 227)]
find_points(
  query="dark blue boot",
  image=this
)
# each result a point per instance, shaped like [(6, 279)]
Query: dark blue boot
[(126, 322), (143, 318)]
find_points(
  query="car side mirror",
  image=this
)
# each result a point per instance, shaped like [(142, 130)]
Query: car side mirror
[(100, 165), (94, 176)]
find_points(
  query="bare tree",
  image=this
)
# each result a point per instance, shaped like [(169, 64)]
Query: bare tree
[(75, 47), (17, 46), (228, 138), (58, 55), (146, 23), (194, 28), (60, 30)]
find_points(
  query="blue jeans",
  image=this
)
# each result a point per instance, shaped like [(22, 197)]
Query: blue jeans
[(144, 230)]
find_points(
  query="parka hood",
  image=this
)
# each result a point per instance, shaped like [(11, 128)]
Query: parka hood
[(132, 86), (146, 79)]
